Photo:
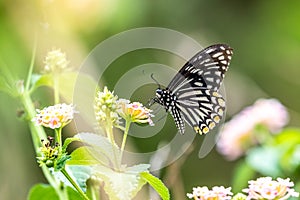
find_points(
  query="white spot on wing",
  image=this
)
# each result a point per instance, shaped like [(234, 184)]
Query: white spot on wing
[(224, 62), (217, 54), (209, 50), (221, 58)]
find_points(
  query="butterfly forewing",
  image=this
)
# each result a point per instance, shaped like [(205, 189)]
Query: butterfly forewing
[(206, 69), (195, 87)]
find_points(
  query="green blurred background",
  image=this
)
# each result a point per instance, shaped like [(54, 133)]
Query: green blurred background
[(265, 36)]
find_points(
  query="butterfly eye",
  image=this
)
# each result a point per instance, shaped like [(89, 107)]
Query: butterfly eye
[(159, 93)]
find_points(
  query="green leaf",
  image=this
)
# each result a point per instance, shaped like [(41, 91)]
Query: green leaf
[(101, 148), (7, 80), (61, 161), (67, 142), (42, 192), (5, 87), (78, 173), (73, 194), (38, 80), (82, 156), (265, 160), (289, 141), (157, 185), (289, 135), (242, 174), (123, 184), (67, 82), (46, 192)]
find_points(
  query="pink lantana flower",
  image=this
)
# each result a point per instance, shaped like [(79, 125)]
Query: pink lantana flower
[(135, 112), (216, 193), (54, 117), (266, 188)]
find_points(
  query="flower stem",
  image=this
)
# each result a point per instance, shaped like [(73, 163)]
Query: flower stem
[(110, 135), (66, 174), (58, 136), (38, 133), (128, 122)]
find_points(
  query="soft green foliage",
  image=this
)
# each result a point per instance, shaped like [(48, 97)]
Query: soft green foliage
[(243, 173), (46, 192), (77, 172), (278, 157), (7, 81), (265, 160), (157, 185), (42, 192), (100, 148), (61, 161), (121, 183), (82, 156), (289, 140), (124, 184)]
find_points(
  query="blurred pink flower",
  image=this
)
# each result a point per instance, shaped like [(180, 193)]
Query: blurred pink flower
[(216, 193), (266, 188), (237, 135)]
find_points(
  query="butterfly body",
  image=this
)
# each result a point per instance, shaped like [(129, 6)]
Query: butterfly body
[(193, 94)]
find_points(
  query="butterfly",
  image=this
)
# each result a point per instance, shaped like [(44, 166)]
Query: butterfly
[(193, 94)]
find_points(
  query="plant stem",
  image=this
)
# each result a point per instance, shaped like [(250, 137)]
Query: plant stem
[(28, 80), (127, 125), (58, 136), (56, 185), (110, 135), (38, 133), (66, 174), (93, 189)]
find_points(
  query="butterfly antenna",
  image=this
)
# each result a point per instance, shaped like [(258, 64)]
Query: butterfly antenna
[(152, 77)]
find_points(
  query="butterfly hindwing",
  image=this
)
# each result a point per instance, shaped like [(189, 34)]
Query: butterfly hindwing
[(178, 119), (202, 109)]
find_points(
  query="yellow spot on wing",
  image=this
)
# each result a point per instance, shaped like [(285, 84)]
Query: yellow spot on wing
[(220, 111), (205, 130), (197, 130), (217, 119), (221, 102), (212, 125), (216, 94)]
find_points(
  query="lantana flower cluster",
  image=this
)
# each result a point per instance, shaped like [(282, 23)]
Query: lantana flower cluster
[(216, 193), (266, 188), (237, 135), (109, 107), (135, 111), (55, 61), (48, 152), (56, 116), (106, 107), (263, 188)]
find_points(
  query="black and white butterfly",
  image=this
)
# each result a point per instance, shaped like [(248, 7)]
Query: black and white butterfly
[(193, 94)]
